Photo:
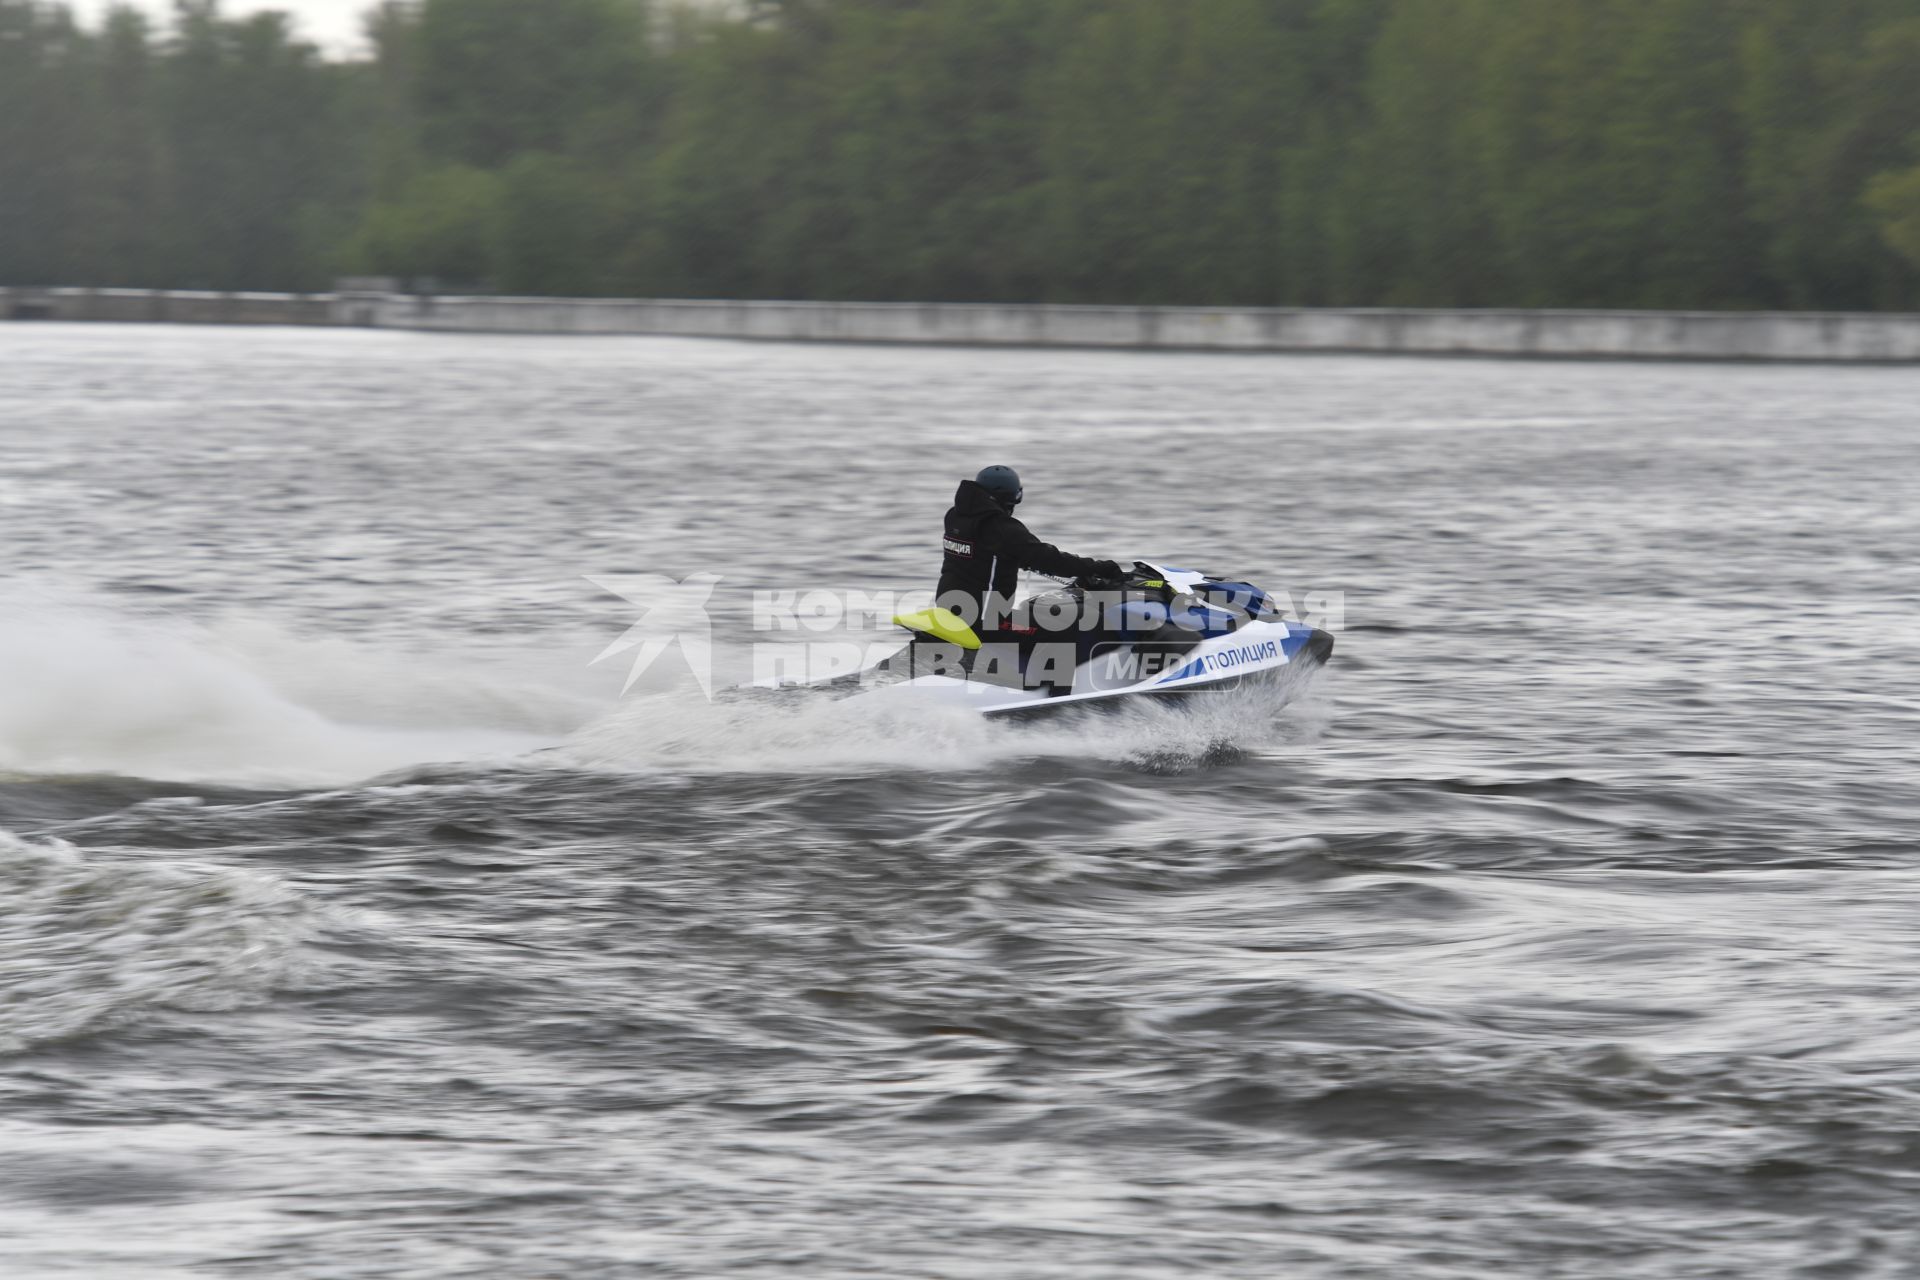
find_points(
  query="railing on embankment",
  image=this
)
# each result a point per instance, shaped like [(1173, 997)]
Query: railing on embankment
[(1668, 335)]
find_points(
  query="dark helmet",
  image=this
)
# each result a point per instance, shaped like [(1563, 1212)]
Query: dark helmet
[(1003, 483)]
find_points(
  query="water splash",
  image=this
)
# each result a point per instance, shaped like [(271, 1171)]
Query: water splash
[(800, 731), (95, 691)]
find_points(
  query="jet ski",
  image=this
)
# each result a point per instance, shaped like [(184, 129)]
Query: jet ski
[(1157, 633)]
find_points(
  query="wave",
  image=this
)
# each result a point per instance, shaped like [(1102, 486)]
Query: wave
[(87, 943)]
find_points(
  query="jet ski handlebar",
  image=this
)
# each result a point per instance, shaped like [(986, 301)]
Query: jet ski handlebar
[(1141, 574)]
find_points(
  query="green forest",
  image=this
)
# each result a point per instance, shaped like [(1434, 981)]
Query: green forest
[(1580, 153)]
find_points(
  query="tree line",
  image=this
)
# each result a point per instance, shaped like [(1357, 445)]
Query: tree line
[(1604, 153)]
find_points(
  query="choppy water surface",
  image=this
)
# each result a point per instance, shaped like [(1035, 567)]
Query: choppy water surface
[(351, 925)]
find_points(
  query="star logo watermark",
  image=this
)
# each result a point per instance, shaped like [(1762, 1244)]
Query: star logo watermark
[(671, 612)]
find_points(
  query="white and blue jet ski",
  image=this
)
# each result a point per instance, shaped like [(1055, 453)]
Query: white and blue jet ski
[(1159, 633)]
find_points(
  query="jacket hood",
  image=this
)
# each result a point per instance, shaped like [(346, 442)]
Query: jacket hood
[(971, 499)]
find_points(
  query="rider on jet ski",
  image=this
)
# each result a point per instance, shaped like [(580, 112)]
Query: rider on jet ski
[(986, 548)]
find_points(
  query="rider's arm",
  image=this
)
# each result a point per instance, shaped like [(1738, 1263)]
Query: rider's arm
[(1043, 557)]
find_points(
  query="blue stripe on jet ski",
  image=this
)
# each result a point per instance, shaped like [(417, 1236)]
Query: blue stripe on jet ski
[(1193, 668), (1293, 642)]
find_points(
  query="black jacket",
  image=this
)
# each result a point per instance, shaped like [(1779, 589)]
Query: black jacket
[(985, 550)]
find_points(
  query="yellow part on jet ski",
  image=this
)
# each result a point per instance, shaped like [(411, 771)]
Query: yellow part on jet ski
[(941, 624)]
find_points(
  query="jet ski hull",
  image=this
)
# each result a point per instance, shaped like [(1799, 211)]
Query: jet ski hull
[(1315, 653)]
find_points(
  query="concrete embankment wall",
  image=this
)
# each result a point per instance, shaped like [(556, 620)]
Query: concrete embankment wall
[(1667, 335), (161, 306)]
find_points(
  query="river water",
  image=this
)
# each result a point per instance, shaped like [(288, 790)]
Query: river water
[(353, 925)]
